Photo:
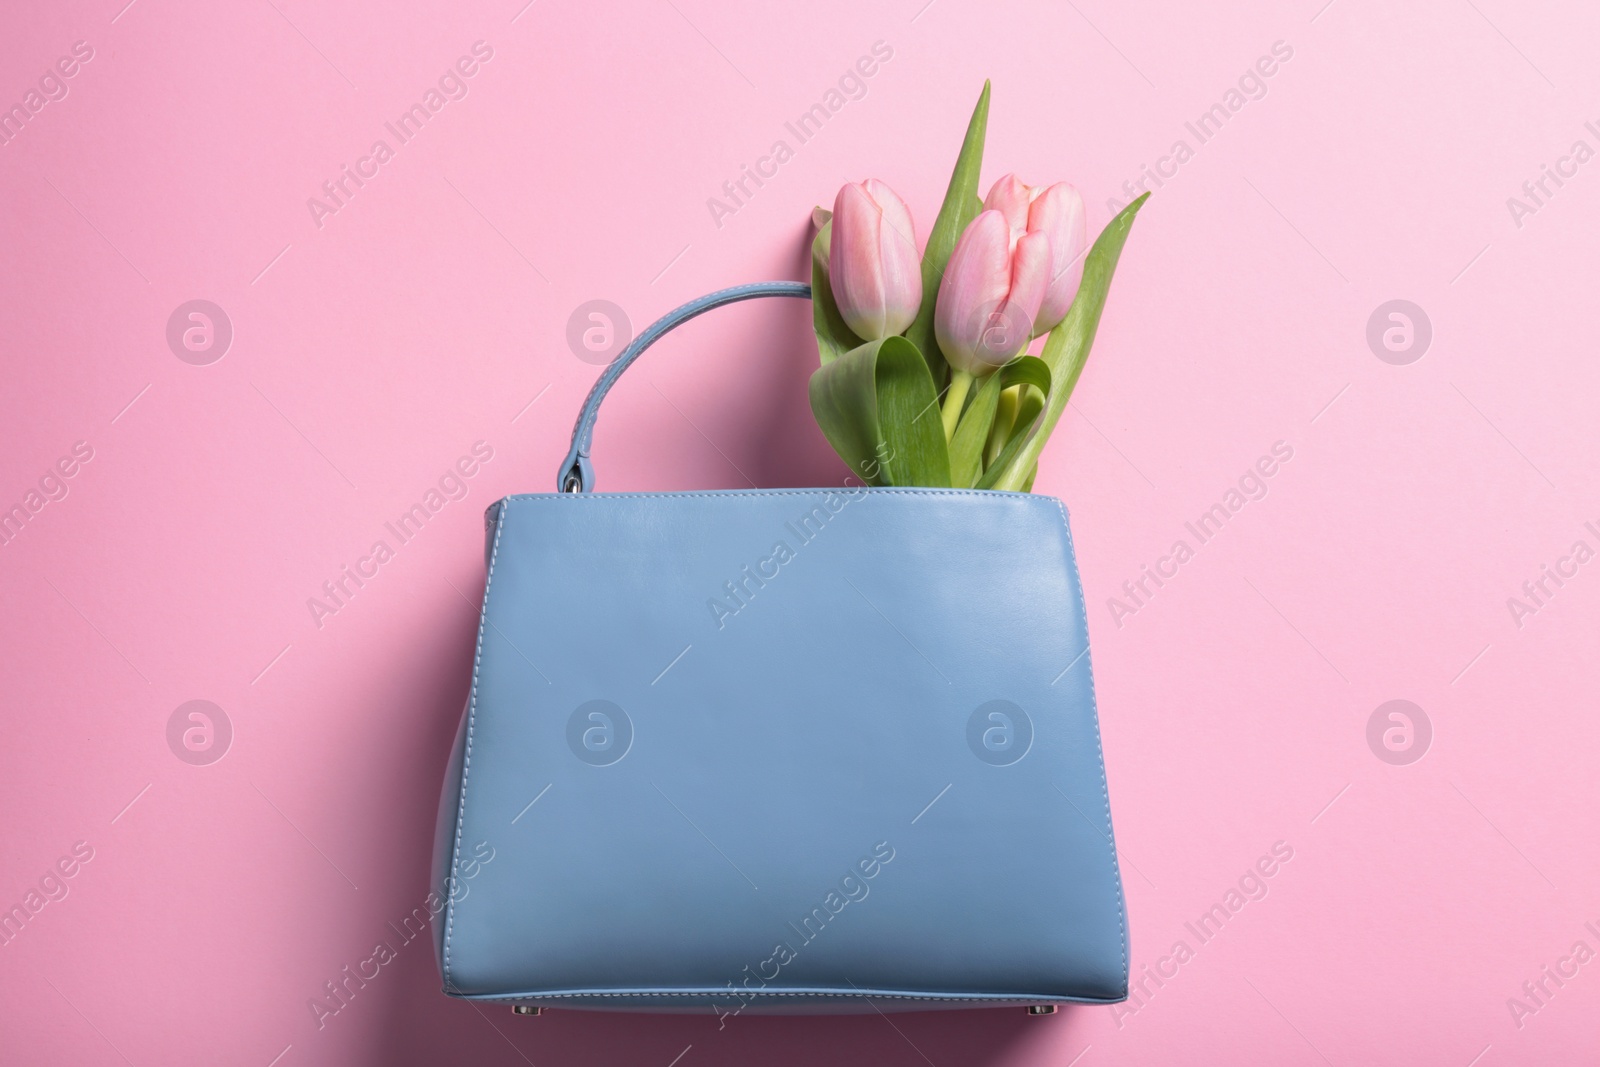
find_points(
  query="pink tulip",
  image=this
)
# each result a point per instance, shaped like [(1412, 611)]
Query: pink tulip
[(990, 296), (872, 261), (1057, 212)]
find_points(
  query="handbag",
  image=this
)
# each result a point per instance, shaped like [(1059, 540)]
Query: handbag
[(805, 751)]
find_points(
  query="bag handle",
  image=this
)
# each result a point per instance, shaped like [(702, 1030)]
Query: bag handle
[(577, 474)]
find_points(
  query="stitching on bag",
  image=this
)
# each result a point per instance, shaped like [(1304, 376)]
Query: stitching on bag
[(730, 493), (466, 762), (1105, 787), (1017, 999)]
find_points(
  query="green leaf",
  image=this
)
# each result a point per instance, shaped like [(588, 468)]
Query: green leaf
[(1067, 348), (877, 406), (1028, 407), (997, 469), (972, 433), (1028, 370), (834, 336), (961, 206), (977, 420)]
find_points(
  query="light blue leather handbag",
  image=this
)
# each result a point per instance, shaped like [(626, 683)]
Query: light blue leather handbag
[(791, 750)]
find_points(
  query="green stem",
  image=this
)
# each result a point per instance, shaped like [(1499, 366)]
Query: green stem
[(1005, 416), (954, 399)]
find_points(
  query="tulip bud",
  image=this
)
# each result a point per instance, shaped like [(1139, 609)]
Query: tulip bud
[(1057, 212), (990, 296), (873, 264)]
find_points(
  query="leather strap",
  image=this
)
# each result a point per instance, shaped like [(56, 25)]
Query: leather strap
[(577, 473)]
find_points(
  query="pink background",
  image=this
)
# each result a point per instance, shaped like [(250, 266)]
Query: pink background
[(430, 311)]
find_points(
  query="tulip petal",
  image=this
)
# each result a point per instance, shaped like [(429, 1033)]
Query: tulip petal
[(1058, 212), (1030, 277), (852, 260), (873, 263), (896, 215), (1011, 198), (899, 262), (977, 280)]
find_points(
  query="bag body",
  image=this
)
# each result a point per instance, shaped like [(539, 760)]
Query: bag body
[(780, 751)]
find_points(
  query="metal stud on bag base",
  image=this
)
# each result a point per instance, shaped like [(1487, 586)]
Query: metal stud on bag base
[(530, 1009), (1041, 1009)]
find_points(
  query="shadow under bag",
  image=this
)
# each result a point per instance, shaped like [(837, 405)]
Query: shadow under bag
[(810, 751)]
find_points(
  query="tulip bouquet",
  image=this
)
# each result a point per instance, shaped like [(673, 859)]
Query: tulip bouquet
[(925, 376)]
